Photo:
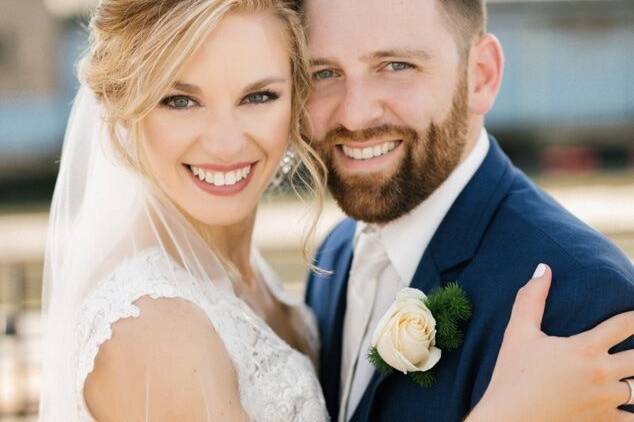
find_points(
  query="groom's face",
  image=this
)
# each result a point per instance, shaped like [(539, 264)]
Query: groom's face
[(389, 107)]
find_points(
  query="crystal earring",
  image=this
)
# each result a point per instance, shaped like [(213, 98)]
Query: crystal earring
[(288, 162)]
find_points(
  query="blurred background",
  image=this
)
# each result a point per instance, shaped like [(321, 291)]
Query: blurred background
[(565, 115)]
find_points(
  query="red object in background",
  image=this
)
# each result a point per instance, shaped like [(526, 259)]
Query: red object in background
[(569, 159)]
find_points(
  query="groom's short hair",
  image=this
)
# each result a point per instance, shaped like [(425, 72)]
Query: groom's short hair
[(466, 18)]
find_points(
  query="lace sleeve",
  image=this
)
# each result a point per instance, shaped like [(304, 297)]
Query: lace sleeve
[(112, 301), (275, 381)]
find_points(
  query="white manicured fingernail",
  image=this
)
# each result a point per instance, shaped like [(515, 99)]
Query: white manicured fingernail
[(539, 271)]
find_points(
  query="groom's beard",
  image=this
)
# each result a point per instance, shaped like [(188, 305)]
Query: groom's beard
[(428, 159)]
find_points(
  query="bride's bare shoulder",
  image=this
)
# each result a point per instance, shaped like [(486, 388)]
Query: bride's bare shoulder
[(169, 363)]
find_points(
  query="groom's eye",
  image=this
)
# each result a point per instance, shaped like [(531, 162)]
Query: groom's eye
[(323, 74), (398, 66)]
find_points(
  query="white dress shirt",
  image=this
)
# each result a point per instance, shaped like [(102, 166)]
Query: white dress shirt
[(405, 240)]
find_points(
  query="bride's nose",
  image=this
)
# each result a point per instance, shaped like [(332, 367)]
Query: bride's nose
[(224, 138)]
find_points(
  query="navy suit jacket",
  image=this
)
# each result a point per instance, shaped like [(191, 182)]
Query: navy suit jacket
[(496, 232)]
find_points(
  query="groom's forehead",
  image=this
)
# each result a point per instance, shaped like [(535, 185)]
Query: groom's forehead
[(363, 24), (349, 16)]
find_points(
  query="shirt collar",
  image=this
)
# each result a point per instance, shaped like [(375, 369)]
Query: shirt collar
[(406, 238)]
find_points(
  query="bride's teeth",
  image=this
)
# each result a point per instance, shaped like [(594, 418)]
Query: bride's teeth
[(217, 178), (230, 178)]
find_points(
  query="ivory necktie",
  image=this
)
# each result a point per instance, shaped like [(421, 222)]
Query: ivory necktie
[(370, 259)]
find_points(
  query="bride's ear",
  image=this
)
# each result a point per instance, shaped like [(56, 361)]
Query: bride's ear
[(486, 69)]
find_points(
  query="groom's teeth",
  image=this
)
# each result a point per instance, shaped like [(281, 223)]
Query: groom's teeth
[(217, 178), (368, 152)]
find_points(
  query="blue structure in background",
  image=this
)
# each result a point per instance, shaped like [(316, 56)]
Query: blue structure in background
[(32, 127), (569, 66)]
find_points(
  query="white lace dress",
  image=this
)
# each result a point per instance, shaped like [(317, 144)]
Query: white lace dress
[(276, 382)]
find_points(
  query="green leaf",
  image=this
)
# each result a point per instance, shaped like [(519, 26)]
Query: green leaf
[(450, 307), (424, 379), (375, 359)]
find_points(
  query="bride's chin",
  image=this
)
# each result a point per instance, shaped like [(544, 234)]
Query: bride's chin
[(223, 216)]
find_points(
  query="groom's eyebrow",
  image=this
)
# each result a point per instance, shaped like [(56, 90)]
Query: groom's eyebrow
[(398, 52)]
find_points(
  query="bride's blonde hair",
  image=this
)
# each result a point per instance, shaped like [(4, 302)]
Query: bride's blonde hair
[(137, 48)]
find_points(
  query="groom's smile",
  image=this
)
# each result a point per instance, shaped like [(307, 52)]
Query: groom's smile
[(368, 157)]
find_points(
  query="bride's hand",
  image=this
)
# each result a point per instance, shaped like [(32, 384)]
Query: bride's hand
[(543, 378)]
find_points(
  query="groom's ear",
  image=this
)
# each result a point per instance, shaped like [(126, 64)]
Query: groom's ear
[(485, 71)]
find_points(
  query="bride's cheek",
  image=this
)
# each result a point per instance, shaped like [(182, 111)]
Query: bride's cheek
[(167, 139), (271, 136)]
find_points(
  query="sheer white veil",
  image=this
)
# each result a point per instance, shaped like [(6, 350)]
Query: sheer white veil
[(102, 214)]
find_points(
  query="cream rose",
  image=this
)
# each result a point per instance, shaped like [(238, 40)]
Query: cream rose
[(405, 337)]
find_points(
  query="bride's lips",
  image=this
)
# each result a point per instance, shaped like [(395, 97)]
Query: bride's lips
[(226, 190)]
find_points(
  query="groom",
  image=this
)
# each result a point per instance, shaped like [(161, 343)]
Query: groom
[(401, 89)]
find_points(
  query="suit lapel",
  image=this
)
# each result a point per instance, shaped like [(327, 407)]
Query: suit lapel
[(332, 343), (456, 240)]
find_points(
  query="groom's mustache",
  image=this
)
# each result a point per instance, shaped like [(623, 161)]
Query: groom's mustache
[(340, 134)]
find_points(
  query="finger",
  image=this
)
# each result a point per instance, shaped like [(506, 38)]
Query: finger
[(615, 394), (623, 416), (528, 309), (611, 331), (622, 364)]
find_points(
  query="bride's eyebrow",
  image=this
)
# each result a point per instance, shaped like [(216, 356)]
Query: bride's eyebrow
[(187, 88), (263, 82)]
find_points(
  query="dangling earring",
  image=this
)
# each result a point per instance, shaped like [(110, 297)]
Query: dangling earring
[(288, 162)]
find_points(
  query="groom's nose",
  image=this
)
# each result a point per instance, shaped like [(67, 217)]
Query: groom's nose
[(360, 106)]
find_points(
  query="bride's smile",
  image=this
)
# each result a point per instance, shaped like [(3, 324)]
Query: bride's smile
[(222, 180)]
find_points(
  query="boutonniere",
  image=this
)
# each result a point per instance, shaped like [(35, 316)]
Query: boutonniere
[(416, 329)]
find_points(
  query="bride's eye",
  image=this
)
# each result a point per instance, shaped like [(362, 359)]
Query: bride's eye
[(179, 102), (260, 97)]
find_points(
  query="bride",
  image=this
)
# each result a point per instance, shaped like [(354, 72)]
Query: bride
[(158, 307)]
